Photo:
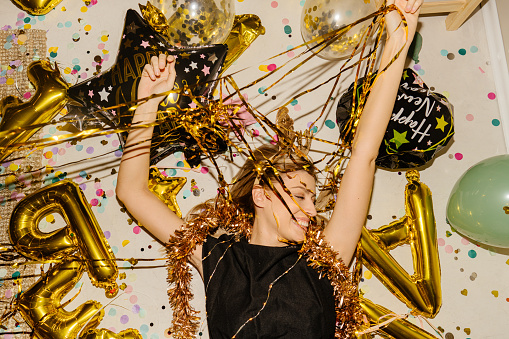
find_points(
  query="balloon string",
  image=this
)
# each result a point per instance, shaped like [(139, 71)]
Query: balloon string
[(393, 317), (421, 318)]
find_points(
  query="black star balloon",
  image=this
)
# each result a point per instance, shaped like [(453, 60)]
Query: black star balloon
[(196, 68), (420, 126)]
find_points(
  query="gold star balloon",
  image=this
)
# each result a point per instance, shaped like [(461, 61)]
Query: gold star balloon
[(166, 188)]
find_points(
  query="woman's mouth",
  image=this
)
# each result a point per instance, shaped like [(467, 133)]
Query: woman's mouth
[(302, 224)]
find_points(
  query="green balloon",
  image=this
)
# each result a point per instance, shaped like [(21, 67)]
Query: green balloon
[(478, 206)]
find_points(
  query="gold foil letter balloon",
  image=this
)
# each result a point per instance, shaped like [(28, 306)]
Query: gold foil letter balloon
[(196, 22), (37, 7), (17, 117), (320, 17), (82, 232), (40, 304)]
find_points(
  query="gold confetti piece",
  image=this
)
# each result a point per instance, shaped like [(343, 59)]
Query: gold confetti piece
[(495, 294), (124, 243), (467, 331), (123, 286), (464, 292)]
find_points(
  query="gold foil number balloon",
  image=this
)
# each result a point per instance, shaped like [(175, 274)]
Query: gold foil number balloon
[(320, 17), (82, 232), (196, 22), (420, 291), (37, 7)]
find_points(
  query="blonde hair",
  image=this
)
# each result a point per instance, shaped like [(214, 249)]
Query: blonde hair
[(242, 184)]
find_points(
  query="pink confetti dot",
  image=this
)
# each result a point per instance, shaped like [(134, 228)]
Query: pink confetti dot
[(8, 294), (205, 170), (78, 179), (99, 192), (458, 156), (274, 4), (290, 54), (100, 46), (97, 185), (465, 241), (256, 132), (94, 202), (115, 143), (27, 95), (448, 249), (68, 145), (441, 242), (286, 21), (51, 162), (110, 193), (271, 67), (133, 299), (136, 229), (21, 15), (492, 96), (297, 107), (128, 289), (469, 117)]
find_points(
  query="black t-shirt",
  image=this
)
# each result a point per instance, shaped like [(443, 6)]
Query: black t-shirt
[(238, 277)]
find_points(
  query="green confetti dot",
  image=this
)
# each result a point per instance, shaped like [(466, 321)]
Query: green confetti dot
[(472, 254), (474, 49), (288, 29), (329, 123), (495, 122), (462, 51)]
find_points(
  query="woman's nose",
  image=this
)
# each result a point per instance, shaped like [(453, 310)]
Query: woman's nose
[(311, 209)]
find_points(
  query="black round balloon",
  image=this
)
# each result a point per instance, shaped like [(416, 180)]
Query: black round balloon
[(196, 68), (421, 123)]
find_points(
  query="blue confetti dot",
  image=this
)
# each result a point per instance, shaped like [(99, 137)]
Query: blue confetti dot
[(79, 148), (171, 172), (472, 254), (462, 51), (112, 312), (154, 336), (143, 328), (495, 122), (288, 29), (68, 24), (75, 61), (421, 72), (474, 49), (83, 174), (41, 17), (294, 102), (60, 25), (262, 89), (444, 52), (114, 249)]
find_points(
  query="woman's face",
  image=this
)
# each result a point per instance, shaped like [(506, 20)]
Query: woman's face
[(302, 187)]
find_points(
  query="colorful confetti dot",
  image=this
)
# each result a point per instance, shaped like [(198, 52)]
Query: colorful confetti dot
[(492, 96), (458, 156), (495, 122), (469, 117), (472, 254), (474, 49), (462, 51), (274, 4), (136, 230)]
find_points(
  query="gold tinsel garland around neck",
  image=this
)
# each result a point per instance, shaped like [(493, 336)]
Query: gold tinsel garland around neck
[(226, 216)]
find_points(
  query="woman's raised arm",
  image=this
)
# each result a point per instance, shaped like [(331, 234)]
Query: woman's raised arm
[(132, 182), (349, 215)]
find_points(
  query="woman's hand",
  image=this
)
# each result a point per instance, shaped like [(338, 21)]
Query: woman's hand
[(410, 9), (157, 77)]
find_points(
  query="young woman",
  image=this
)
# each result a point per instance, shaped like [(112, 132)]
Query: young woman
[(261, 287)]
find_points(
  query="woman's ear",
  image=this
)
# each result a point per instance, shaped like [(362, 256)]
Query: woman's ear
[(260, 197)]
